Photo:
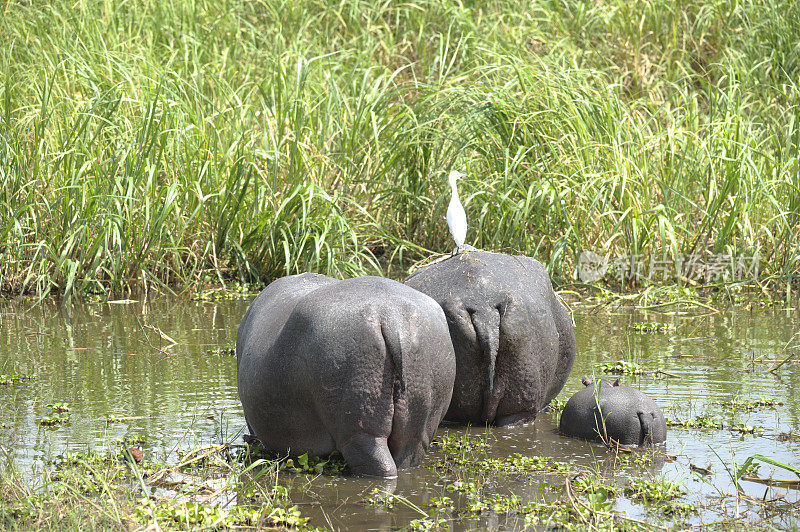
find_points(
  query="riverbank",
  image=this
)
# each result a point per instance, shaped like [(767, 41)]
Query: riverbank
[(665, 297)]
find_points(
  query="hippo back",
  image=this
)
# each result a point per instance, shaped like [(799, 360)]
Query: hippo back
[(269, 311), (324, 363), (612, 413), (513, 338)]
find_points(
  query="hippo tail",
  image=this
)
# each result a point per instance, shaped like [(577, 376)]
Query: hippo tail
[(646, 423), (394, 348), (487, 331)]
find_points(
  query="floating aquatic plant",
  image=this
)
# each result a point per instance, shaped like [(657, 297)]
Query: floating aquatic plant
[(700, 421), (648, 327), (622, 367)]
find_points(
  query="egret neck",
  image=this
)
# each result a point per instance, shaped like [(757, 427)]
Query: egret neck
[(456, 217)]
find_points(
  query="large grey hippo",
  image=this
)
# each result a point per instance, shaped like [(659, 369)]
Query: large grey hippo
[(362, 365), (513, 338), (608, 412)]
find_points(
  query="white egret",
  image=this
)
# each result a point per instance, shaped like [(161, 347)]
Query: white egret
[(456, 217)]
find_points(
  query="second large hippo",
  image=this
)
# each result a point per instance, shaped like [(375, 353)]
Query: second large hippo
[(513, 338), (364, 366)]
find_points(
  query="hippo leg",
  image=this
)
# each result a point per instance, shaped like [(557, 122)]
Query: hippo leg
[(514, 419), (411, 454), (406, 444), (368, 455)]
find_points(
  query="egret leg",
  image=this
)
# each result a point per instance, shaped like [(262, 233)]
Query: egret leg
[(462, 248)]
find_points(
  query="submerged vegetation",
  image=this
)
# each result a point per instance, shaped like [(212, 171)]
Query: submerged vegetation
[(93, 489), (211, 486), (232, 487), (146, 145)]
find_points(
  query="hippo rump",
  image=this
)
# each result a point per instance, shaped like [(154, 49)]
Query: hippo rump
[(364, 366), (513, 338), (611, 413)]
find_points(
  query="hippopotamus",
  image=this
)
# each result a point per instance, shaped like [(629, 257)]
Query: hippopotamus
[(513, 338), (364, 366), (611, 413)]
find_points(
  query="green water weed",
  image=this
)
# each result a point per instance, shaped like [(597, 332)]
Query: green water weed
[(519, 464), (59, 416), (458, 445), (53, 420), (706, 420), (653, 491), (738, 404), (102, 480), (622, 367), (557, 405), (742, 428), (429, 523), (637, 458), (223, 350), (132, 439), (331, 464), (440, 502), (651, 327)]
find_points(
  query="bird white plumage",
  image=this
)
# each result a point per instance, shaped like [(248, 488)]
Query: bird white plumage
[(456, 217)]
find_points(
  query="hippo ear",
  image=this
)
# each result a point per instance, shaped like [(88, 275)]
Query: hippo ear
[(616, 382), (587, 380)]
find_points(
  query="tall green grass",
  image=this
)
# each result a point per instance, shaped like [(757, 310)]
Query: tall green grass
[(167, 144)]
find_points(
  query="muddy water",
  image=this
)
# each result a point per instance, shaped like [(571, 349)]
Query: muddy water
[(122, 375)]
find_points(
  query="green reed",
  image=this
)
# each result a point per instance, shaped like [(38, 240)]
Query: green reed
[(149, 144)]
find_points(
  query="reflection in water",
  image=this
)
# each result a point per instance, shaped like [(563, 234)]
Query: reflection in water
[(107, 361), (116, 366)]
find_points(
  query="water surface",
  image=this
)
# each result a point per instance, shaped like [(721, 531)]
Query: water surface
[(122, 375)]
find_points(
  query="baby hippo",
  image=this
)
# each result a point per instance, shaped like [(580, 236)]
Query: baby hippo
[(611, 413)]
